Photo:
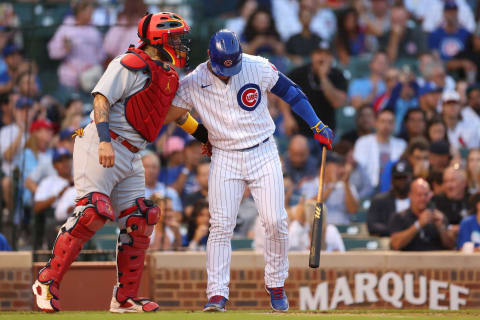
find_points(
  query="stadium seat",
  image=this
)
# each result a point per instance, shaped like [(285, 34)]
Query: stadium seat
[(344, 120), (242, 244), (361, 243)]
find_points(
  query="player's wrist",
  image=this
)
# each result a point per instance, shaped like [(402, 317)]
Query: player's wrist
[(103, 130)]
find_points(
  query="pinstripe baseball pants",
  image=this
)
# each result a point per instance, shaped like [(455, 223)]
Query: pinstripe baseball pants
[(230, 172)]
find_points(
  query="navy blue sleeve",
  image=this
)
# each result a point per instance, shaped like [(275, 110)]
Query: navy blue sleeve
[(289, 92)]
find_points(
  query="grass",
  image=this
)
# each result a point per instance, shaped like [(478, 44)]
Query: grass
[(250, 315)]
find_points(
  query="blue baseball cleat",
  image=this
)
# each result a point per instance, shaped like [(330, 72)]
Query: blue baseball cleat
[(278, 299), (216, 304)]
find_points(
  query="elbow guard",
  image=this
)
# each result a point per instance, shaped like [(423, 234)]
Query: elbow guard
[(287, 90)]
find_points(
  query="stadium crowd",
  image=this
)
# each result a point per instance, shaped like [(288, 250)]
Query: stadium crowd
[(398, 81)]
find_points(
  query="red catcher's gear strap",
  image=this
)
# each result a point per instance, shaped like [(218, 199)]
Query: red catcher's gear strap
[(146, 110)]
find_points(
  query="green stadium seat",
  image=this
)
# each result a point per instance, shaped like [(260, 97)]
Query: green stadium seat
[(361, 243), (344, 120), (242, 244)]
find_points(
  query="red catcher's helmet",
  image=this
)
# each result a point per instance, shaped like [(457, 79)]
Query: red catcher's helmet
[(166, 32)]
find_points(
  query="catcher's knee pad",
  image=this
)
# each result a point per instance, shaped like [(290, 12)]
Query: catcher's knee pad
[(90, 214), (136, 226)]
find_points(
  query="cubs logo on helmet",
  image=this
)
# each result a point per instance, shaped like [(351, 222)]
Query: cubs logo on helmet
[(249, 97)]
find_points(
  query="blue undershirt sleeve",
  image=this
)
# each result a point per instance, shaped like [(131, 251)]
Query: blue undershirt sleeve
[(289, 92)]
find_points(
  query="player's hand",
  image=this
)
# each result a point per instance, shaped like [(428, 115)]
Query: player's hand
[(106, 154), (323, 134), (207, 149)]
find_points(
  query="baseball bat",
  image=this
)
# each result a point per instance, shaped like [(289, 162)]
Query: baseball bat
[(316, 244)]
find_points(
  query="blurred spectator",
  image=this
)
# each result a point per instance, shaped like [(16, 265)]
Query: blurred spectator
[(299, 231), (432, 13), (286, 13), (12, 59), (49, 191), (473, 171), (416, 154), (420, 228), (435, 180), (299, 164), (358, 177), (4, 246), (467, 62), (301, 45), (198, 226), (124, 33), (432, 70), (27, 85), (386, 204), (436, 130), (373, 151), (151, 164), (404, 40), (260, 36), (403, 98), (172, 150), (13, 136), (166, 235), (450, 38), (415, 125), (364, 90), (428, 100), (245, 8), (325, 87), (439, 156), (462, 133), (364, 124), (472, 110), (392, 77), (201, 176), (351, 39), (378, 18), (340, 196), (469, 230), (41, 134), (6, 111), (453, 202), (79, 45)]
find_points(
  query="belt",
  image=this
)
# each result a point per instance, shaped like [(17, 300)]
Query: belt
[(253, 147), (124, 142)]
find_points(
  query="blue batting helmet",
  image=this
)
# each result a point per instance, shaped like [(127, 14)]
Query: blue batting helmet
[(225, 53)]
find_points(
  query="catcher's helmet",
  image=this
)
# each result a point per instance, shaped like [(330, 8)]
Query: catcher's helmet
[(225, 53), (165, 31)]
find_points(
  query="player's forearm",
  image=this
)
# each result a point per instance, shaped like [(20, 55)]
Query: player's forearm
[(101, 110), (403, 238)]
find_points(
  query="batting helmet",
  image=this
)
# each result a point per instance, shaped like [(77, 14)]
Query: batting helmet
[(165, 31), (225, 53)]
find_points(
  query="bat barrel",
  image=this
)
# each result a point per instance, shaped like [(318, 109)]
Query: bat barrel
[(316, 244)]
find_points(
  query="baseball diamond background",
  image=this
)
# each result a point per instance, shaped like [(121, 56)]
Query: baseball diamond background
[(177, 280)]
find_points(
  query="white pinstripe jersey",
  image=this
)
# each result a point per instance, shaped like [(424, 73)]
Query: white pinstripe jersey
[(236, 113)]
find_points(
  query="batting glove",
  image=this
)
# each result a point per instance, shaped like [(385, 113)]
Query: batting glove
[(323, 134), (207, 149)]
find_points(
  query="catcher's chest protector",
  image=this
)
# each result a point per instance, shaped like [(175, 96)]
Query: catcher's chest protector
[(146, 110)]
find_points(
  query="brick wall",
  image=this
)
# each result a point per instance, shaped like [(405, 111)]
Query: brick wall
[(15, 281), (175, 285)]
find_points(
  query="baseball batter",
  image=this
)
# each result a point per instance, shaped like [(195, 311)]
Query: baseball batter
[(131, 101), (229, 92)]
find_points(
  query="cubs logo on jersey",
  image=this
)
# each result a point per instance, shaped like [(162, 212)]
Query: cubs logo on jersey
[(249, 97)]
